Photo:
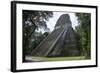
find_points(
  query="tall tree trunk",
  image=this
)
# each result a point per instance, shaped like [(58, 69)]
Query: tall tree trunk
[(26, 40)]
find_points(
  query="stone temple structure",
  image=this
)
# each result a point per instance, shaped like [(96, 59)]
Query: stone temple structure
[(63, 41)]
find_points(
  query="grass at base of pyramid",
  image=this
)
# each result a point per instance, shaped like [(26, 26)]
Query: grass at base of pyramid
[(59, 58)]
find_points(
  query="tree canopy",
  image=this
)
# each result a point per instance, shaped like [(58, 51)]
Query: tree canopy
[(34, 20)]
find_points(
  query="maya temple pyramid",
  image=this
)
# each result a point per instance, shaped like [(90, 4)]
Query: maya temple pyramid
[(63, 41)]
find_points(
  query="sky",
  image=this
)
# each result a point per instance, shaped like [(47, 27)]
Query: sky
[(52, 21)]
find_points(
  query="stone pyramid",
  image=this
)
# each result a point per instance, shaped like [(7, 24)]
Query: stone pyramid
[(63, 41)]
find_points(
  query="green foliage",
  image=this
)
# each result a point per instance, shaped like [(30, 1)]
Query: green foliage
[(84, 29), (32, 21), (46, 34)]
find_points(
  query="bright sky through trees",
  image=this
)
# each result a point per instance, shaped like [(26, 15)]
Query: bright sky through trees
[(52, 21)]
